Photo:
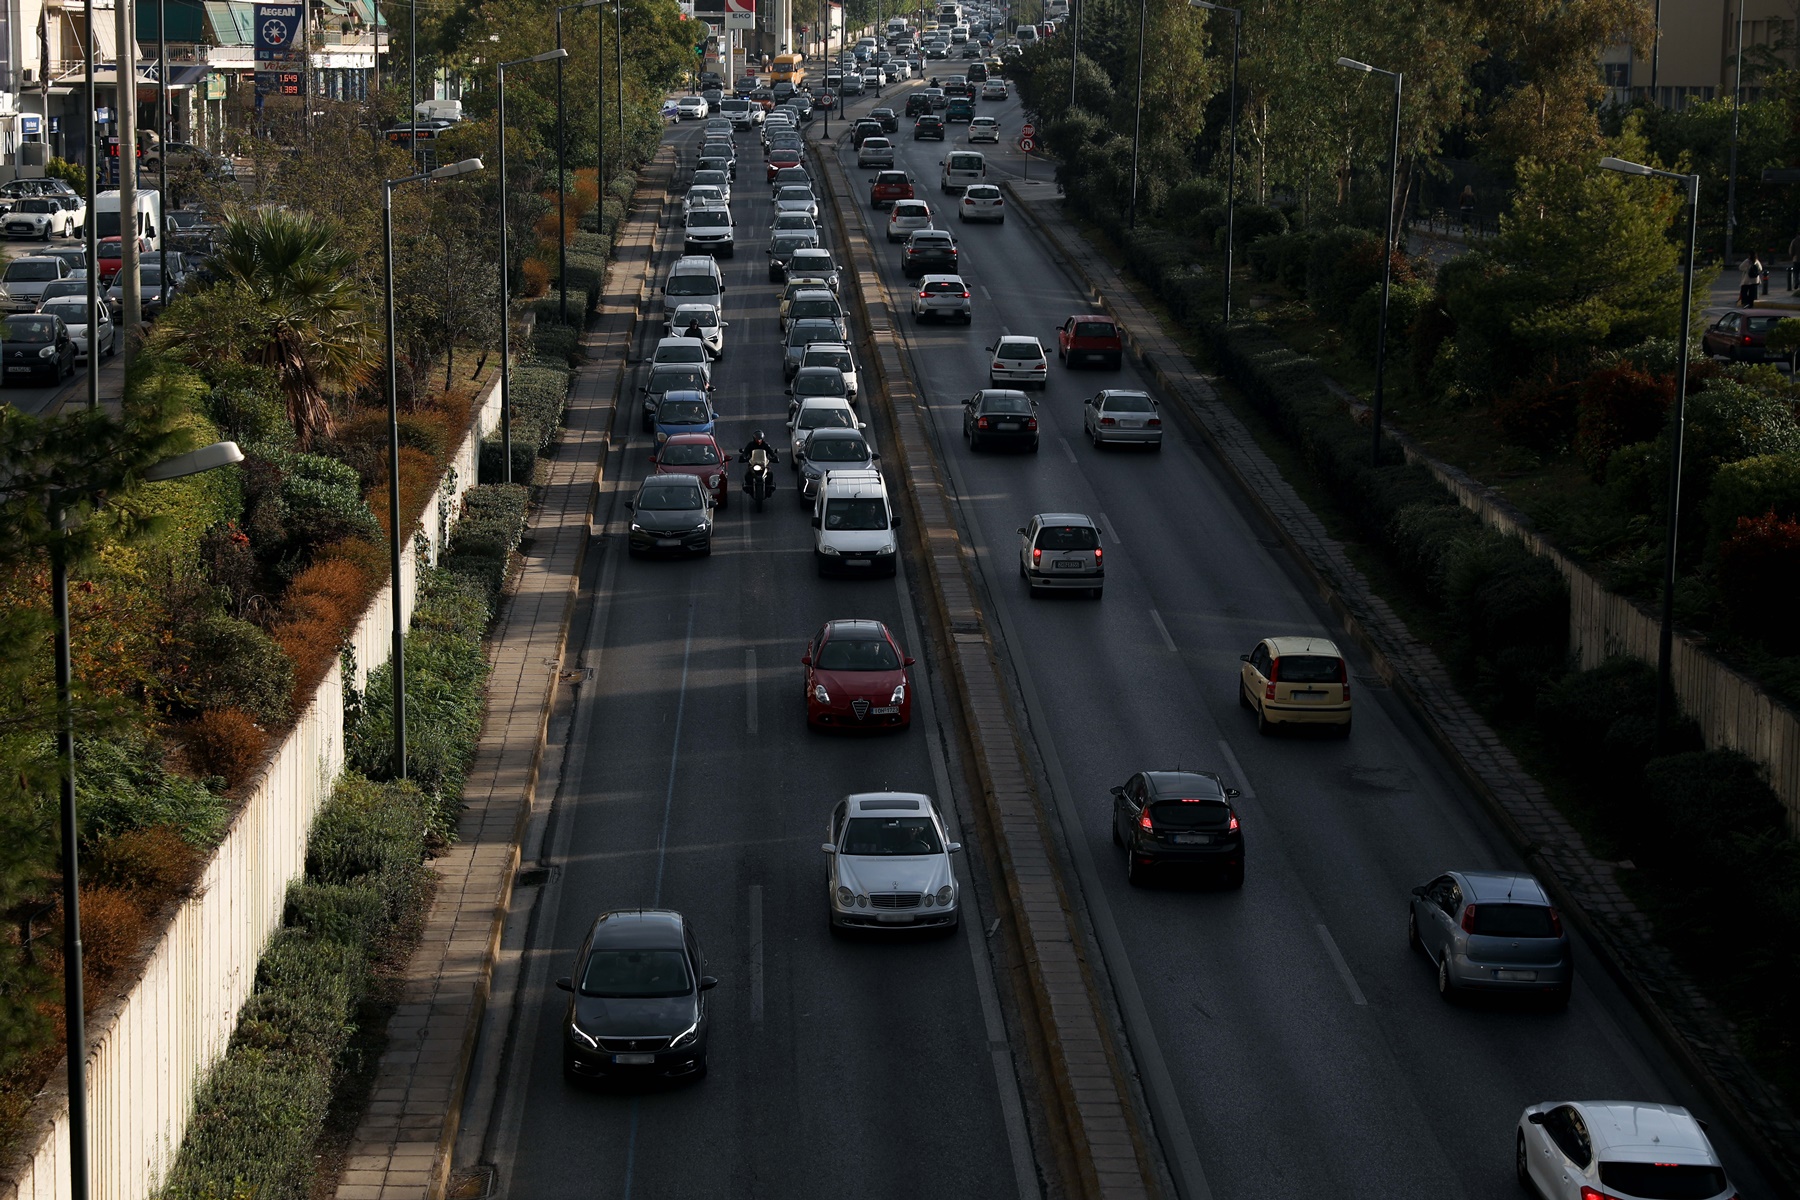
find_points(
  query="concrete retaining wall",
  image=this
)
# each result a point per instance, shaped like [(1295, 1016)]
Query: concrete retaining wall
[(150, 1046)]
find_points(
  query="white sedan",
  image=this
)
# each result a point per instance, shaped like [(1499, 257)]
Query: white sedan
[(889, 864), (706, 318)]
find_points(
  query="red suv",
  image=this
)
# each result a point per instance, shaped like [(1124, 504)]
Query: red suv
[(1089, 337), (889, 186)]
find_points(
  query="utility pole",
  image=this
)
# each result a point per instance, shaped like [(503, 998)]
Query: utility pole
[(125, 77)]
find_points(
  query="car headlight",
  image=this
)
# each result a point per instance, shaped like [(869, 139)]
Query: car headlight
[(636, 528), (686, 1037), (828, 549), (862, 901), (899, 696), (712, 481), (846, 898), (661, 437), (943, 895), (582, 1034), (47, 352), (820, 694), (702, 527)]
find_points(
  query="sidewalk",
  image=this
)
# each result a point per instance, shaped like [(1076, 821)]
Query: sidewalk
[(401, 1150)]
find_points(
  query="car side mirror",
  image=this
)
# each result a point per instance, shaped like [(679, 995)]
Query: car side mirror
[(907, 661), (828, 848), (1231, 793), (873, 457), (1536, 1118), (1243, 658), (708, 983), (1117, 791), (816, 524), (1021, 530), (1419, 891), (566, 984), (806, 660), (953, 847), (630, 507), (653, 458)]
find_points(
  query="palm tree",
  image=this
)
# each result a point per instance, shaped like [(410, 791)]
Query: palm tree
[(288, 298)]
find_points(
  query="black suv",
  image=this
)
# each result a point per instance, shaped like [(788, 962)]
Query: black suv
[(928, 126), (929, 252), (865, 129), (890, 123), (1178, 818), (917, 104)]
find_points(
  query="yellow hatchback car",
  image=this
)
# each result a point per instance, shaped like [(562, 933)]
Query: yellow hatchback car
[(1296, 681)]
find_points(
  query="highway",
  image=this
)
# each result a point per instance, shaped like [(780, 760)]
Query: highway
[(852, 1067), (1305, 1046)]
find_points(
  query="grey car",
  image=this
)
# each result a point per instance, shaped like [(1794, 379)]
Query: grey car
[(816, 303), (1062, 551), (718, 179), (797, 197), (802, 334), (907, 218), (1492, 931), (671, 515), (782, 245), (832, 450), (945, 297), (814, 263), (1120, 417)]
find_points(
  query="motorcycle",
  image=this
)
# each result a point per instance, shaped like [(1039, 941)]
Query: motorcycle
[(759, 480)]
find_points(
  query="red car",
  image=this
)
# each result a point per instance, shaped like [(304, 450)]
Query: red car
[(696, 454), (856, 678), (889, 186), (782, 158), (110, 253), (1090, 337)]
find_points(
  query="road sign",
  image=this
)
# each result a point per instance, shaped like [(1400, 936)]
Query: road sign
[(740, 14), (1029, 130), (1027, 145)]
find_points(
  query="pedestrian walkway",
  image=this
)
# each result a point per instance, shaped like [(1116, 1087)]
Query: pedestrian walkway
[(401, 1149)]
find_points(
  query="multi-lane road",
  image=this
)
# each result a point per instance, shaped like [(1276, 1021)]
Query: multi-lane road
[(1290, 1044)]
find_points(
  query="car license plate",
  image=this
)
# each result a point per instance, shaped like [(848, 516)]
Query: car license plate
[(1131, 424), (1308, 695), (634, 1060), (668, 541), (890, 710), (1066, 564), (856, 562), (894, 918), (1193, 839), (1516, 976), (1009, 424)]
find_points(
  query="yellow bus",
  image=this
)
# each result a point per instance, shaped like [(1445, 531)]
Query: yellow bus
[(787, 68)]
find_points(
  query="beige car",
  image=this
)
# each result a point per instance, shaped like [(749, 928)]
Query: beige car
[(1296, 681)]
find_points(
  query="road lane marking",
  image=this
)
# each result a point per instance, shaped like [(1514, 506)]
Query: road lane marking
[(1163, 629), (756, 954), (1343, 968), (662, 837), (984, 291), (1237, 771), (1070, 451), (750, 689), (1106, 524)]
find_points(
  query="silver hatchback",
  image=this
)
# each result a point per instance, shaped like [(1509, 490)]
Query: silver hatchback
[(1062, 551), (907, 218), (1492, 931), (945, 297)]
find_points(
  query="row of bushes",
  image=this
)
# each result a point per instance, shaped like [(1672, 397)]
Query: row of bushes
[(538, 394), (264, 1105)]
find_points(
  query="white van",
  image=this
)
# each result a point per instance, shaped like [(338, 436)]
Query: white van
[(854, 524), (1027, 35), (962, 168), (694, 279), (148, 203)]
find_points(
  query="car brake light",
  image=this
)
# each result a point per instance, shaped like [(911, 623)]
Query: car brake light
[(965, 295), (1036, 555), (982, 424), (999, 366), (1468, 918), (1154, 422), (924, 295), (1097, 553), (1031, 422), (1589, 1193), (1144, 821), (1746, 339), (1233, 827), (1268, 691), (1108, 421), (1555, 923)]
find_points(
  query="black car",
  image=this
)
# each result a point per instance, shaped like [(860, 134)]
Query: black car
[(1178, 818), (712, 96), (37, 346), (929, 252), (1000, 417), (637, 1000), (917, 105), (782, 244), (928, 126), (890, 121), (671, 515), (866, 129)]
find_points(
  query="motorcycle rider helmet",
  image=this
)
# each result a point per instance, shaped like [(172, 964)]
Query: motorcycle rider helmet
[(758, 436)]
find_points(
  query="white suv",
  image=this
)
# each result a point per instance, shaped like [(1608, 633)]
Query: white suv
[(854, 523), (1580, 1148), (889, 864)]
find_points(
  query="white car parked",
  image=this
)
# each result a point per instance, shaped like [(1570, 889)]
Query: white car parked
[(889, 864), (1577, 1149)]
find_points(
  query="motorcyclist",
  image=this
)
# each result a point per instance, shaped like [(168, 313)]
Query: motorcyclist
[(759, 442)]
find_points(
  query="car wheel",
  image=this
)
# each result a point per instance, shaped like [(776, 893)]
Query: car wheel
[(1234, 878), (1243, 696), (1095, 438), (1136, 874), (968, 318), (1096, 593), (1446, 987), (1156, 446), (1263, 725), (1521, 1170), (569, 1074), (1000, 221), (699, 1068), (1113, 822), (1034, 448), (1343, 731), (974, 444), (1412, 932)]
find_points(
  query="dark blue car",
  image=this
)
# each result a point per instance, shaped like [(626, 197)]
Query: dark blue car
[(684, 412)]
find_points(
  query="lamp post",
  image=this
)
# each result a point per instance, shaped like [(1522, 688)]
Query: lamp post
[(1387, 253), (412, 67), (618, 8), (1737, 104), (1137, 118), (90, 234), (1237, 29), (562, 167), (162, 159), (398, 632), (505, 266), (218, 454), (1665, 641), (1075, 48)]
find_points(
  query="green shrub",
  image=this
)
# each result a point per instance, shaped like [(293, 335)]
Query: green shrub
[(1406, 300), (493, 520), (1728, 422), (560, 343), (1759, 576), (548, 307), (1703, 807), (122, 785), (1620, 405), (1751, 487), (539, 395), (350, 913), (1283, 257), (323, 501), (221, 662), (1538, 414), (490, 469), (1255, 221), (1341, 266)]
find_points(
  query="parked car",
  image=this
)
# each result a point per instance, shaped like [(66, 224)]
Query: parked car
[(692, 108), (41, 218), (1742, 336), (1090, 337)]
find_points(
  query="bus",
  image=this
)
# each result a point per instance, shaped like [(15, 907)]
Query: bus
[(787, 68)]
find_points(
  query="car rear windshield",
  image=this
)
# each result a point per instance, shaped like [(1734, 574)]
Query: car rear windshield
[(793, 177), (943, 287), (837, 449), (716, 179), (31, 272), (668, 498), (1005, 403), (1099, 329), (1019, 350), (829, 358), (896, 836), (72, 311), (813, 308), (819, 383), (825, 417), (965, 162), (1129, 402), (637, 974), (802, 332), (682, 412), (689, 454), (693, 285), (1762, 324), (1309, 668), (673, 379), (1068, 537), (681, 354), (860, 654), (813, 260), (1516, 921), (856, 514), (794, 220), (1191, 814), (983, 193), (706, 316), (1662, 1181), (794, 192)]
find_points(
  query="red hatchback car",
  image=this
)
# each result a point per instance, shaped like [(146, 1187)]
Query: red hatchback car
[(856, 678), (782, 158), (696, 454)]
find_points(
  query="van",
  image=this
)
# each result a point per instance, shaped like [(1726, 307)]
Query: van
[(694, 279), (854, 524), (738, 111), (962, 168), (148, 203), (1027, 35)]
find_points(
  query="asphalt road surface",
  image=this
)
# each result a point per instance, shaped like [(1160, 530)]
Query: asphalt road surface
[(1306, 1047), (866, 1068)]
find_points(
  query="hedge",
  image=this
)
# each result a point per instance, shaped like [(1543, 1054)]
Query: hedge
[(492, 523), (538, 393)]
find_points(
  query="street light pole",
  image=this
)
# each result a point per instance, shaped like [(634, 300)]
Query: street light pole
[(505, 265), (618, 7), (90, 234), (162, 161), (398, 626), (1665, 640), (1387, 253), (562, 168), (1737, 104), (1237, 29), (1137, 104), (412, 55), (1074, 48)]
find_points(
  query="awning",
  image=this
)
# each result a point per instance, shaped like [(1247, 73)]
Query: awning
[(233, 22)]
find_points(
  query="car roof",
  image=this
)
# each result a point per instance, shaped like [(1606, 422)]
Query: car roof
[(940, 279), (1624, 1130), (815, 293), (1186, 783), (690, 439), (669, 480), (1304, 645), (1509, 886), (889, 802), (1021, 338), (1063, 518), (824, 402), (685, 395), (652, 928), (837, 346), (817, 370), (678, 343), (1103, 319)]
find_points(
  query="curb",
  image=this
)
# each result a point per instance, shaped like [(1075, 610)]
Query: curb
[(1092, 1096), (1530, 842)]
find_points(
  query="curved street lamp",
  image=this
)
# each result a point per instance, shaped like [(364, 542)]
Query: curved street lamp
[(1387, 251)]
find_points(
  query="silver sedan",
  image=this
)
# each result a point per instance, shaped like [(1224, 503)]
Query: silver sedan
[(1119, 417)]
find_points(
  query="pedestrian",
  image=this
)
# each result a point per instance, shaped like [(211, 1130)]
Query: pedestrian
[(1467, 203), (1748, 272), (1794, 263)]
